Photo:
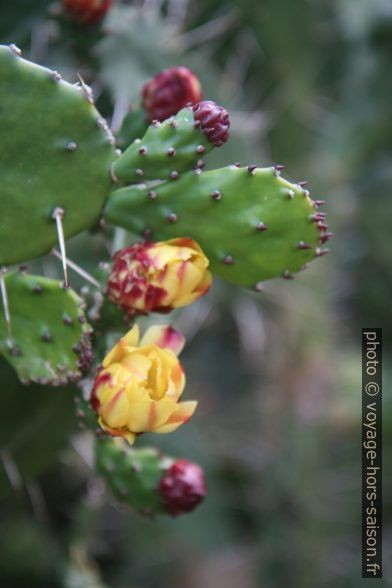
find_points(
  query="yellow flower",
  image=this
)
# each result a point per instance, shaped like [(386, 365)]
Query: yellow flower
[(140, 384), (158, 277)]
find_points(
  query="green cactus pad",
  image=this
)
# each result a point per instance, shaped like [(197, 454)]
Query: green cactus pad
[(132, 474), (166, 150), (56, 151), (252, 224), (49, 342)]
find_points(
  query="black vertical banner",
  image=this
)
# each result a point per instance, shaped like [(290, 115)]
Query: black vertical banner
[(371, 453)]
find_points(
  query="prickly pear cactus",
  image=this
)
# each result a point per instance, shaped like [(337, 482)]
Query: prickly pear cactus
[(56, 151), (175, 145), (49, 342), (132, 474), (252, 224)]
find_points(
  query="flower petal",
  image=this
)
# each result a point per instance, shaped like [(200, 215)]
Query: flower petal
[(130, 437), (164, 336), (146, 415), (181, 415), (119, 350)]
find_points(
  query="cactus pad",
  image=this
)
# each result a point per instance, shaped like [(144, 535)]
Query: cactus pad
[(133, 475), (173, 146), (252, 224), (56, 151), (49, 342)]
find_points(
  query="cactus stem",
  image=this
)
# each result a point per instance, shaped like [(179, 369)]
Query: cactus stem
[(152, 194), (143, 150), (72, 146), (261, 226), (57, 215), (172, 217), (228, 260), (216, 195), (77, 269), (252, 169), (259, 287), (287, 275), (171, 152), (303, 245), (6, 307), (174, 175)]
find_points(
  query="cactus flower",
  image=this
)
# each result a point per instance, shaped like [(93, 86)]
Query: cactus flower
[(157, 277), (86, 11), (182, 487), (169, 92), (140, 384)]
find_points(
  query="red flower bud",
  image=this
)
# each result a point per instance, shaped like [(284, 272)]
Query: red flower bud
[(213, 120), (86, 11), (182, 487), (169, 92)]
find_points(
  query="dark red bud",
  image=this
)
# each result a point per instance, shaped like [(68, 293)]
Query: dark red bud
[(182, 487), (86, 11), (169, 92), (213, 120)]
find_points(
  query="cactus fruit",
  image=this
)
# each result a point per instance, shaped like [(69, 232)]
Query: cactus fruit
[(182, 487), (49, 340), (169, 92), (252, 224), (56, 153), (174, 146), (132, 474), (86, 11)]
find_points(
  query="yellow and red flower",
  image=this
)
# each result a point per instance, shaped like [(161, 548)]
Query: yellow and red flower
[(140, 384), (157, 277)]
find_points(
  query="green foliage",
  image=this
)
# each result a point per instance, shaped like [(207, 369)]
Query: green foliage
[(35, 423), (134, 126), (252, 224), (132, 474), (49, 342), (56, 152)]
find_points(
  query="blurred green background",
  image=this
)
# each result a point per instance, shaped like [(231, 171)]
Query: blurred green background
[(278, 375)]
